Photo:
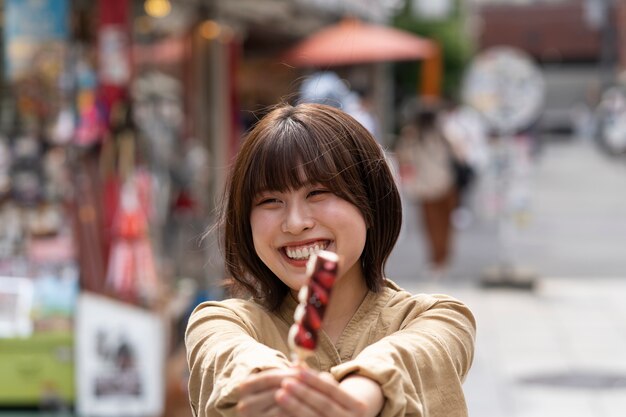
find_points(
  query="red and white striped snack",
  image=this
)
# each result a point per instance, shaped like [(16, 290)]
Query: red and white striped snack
[(313, 297)]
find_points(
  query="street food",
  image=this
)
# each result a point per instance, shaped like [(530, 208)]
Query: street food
[(314, 298)]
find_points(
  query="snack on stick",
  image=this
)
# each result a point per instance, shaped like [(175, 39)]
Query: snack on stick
[(313, 297)]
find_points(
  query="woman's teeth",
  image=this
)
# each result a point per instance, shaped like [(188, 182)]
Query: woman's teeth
[(304, 253)]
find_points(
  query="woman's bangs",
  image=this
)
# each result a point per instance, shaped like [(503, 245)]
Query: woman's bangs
[(288, 163)]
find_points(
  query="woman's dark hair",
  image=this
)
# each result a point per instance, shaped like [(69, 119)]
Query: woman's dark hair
[(427, 118), (329, 147), (426, 122)]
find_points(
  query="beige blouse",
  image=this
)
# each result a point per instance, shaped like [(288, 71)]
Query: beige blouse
[(419, 348)]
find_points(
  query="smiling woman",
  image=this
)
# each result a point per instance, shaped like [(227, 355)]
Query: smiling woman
[(310, 148), (291, 225), (311, 178)]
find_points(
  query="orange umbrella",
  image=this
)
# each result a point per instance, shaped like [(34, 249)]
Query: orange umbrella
[(354, 42)]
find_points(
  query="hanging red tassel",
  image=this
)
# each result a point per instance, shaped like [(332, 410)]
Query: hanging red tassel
[(131, 272)]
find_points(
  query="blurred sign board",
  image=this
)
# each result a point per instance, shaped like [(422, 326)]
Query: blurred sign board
[(374, 10), (550, 31), (120, 353), (506, 87), (32, 28), (595, 12), (434, 10)]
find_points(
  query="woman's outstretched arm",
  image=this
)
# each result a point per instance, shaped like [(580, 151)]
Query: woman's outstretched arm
[(223, 351)]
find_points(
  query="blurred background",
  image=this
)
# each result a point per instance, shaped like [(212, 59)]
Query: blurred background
[(118, 120)]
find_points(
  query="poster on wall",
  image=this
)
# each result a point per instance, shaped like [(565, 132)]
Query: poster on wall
[(120, 356), (35, 32)]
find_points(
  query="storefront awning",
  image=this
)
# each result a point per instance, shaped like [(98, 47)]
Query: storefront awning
[(354, 42)]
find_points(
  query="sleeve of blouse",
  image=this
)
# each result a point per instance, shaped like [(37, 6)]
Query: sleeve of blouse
[(421, 367), (222, 350)]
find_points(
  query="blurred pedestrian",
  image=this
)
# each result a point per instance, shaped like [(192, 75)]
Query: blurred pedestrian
[(307, 178), (426, 169), (326, 87), (467, 134)]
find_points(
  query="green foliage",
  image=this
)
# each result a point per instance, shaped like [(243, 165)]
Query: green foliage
[(457, 48)]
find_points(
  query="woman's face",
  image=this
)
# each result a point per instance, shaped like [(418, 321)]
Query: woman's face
[(288, 226)]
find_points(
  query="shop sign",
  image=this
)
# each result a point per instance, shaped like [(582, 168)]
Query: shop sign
[(374, 10), (32, 27), (120, 356)]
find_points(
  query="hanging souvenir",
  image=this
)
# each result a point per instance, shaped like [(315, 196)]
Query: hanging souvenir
[(57, 169), (5, 166), (62, 131), (91, 122), (117, 160), (11, 232), (26, 171), (44, 221), (131, 270)]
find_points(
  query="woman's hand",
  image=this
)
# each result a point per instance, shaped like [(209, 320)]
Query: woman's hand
[(257, 394), (318, 394)]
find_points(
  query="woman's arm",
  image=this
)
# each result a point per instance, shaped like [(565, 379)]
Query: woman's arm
[(313, 394), (222, 352), (366, 390), (420, 368)]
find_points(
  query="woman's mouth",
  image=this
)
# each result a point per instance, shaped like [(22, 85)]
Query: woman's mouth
[(304, 252)]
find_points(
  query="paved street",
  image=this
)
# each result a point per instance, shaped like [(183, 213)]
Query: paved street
[(559, 350), (576, 226)]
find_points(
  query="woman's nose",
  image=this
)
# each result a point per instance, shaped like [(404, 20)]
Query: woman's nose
[(297, 219)]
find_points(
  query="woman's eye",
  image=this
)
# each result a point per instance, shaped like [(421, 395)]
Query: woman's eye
[(319, 191), (266, 201)]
